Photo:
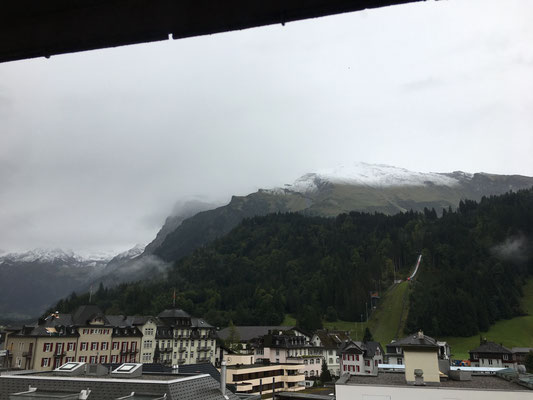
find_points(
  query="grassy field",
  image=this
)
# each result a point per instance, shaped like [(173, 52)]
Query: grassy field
[(388, 318), (515, 332), (385, 320)]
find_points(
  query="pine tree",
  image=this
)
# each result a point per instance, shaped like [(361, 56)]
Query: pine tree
[(368, 336)]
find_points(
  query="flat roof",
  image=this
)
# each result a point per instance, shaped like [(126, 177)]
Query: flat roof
[(145, 377), (246, 366), (485, 382)]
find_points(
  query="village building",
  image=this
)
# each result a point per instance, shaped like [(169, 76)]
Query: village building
[(394, 350), (88, 335), (260, 378), (361, 358), (182, 339), (330, 341), (490, 354)]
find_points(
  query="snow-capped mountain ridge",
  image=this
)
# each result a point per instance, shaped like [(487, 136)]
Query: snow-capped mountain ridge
[(135, 251), (373, 175), (43, 255)]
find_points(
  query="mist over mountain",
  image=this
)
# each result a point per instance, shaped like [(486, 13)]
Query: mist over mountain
[(358, 187), (31, 281)]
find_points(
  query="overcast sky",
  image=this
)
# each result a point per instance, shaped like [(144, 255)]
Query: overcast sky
[(96, 147)]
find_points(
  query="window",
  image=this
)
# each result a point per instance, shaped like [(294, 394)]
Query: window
[(375, 363), (103, 359), (357, 357), (82, 358), (115, 345), (71, 346), (93, 359), (367, 363), (192, 354), (45, 362), (505, 356), (84, 346), (114, 359), (104, 346), (318, 360), (358, 369), (305, 362), (124, 346), (133, 346), (399, 361), (47, 347), (94, 346), (70, 359), (490, 362)]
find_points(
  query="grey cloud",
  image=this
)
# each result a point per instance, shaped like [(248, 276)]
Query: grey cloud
[(515, 249), (96, 148)]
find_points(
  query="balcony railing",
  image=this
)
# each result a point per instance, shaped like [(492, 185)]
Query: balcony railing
[(165, 349), (203, 359), (204, 348)]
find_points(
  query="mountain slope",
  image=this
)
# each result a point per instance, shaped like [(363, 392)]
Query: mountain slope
[(476, 260), (32, 280), (360, 187)]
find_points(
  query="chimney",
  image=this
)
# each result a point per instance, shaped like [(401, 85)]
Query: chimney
[(420, 334), (223, 378)]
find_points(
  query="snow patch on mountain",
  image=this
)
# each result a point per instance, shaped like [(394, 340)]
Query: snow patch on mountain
[(54, 256), (135, 251), (373, 175)]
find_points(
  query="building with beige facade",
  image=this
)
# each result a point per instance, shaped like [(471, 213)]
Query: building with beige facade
[(182, 339), (88, 335), (257, 378)]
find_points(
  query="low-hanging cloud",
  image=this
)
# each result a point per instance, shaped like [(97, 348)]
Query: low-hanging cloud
[(515, 249)]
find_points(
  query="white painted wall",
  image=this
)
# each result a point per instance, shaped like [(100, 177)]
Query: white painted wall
[(367, 392)]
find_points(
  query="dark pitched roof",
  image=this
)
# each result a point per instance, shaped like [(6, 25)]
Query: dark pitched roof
[(200, 323), (370, 348), (247, 333), (366, 348), (491, 347), (351, 347), (415, 340), (174, 313), (332, 339), (118, 320), (86, 313)]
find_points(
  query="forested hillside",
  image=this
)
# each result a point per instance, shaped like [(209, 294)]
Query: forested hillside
[(475, 262)]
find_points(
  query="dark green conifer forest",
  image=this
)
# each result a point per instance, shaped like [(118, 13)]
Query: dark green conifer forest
[(475, 261)]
